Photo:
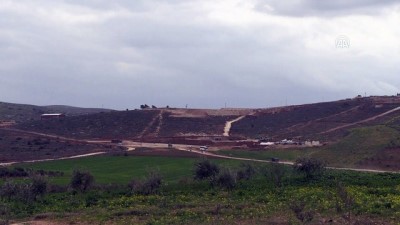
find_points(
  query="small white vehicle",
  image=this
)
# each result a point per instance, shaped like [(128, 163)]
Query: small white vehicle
[(203, 148)]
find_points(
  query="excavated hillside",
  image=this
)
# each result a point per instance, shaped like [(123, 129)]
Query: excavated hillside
[(321, 120), (329, 120)]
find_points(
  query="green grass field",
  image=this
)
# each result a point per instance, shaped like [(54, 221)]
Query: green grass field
[(182, 200), (282, 154), (122, 169)]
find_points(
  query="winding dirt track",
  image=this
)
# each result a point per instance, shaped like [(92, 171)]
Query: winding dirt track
[(290, 163), (45, 160), (228, 125), (132, 145), (362, 121)]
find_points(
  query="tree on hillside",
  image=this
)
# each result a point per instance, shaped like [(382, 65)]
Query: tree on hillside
[(145, 106)]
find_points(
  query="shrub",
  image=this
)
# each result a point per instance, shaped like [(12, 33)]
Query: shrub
[(54, 188), (150, 185), (298, 207), (206, 170), (226, 179), (16, 172), (8, 190), (246, 172), (81, 181), (344, 202), (276, 173), (38, 187), (310, 167), (32, 191), (4, 214), (91, 200)]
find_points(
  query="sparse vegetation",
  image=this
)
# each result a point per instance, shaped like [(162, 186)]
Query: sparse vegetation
[(4, 214), (226, 179), (246, 172), (81, 181), (149, 185), (373, 197), (206, 169), (309, 167), (209, 191), (276, 173)]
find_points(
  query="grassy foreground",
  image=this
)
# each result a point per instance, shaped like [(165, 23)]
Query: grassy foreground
[(182, 200), (122, 169)]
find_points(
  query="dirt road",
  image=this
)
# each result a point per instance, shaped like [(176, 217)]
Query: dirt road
[(289, 163), (228, 125), (362, 121), (45, 160), (131, 146)]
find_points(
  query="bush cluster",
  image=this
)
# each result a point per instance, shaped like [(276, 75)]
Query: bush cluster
[(6, 172), (149, 185), (35, 189), (225, 178), (81, 181), (309, 167), (14, 172)]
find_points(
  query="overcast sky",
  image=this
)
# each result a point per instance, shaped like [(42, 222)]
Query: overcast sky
[(204, 53)]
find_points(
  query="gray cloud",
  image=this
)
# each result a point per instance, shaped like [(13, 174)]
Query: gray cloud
[(121, 54), (331, 8)]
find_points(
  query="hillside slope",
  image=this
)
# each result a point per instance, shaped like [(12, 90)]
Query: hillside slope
[(23, 112), (314, 121), (328, 121)]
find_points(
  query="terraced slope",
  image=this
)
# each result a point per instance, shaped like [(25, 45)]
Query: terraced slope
[(192, 126), (322, 121), (121, 124), (310, 121)]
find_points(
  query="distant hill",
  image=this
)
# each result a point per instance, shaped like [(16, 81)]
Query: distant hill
[(319, 120), (75, 111), (322, 121), (23, 112)]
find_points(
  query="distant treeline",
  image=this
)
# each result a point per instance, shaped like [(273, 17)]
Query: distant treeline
[(6, 172)]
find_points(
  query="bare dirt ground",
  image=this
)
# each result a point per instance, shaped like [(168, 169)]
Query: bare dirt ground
[(228, 125), (7, 123)]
